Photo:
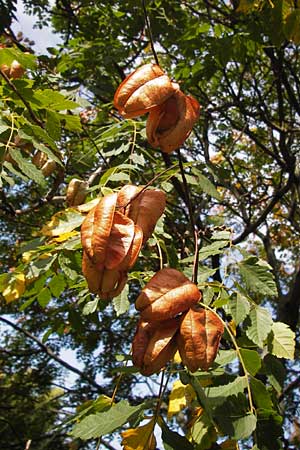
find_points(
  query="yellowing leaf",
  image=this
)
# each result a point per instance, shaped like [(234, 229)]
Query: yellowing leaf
[(180, 396), (15, 288), (27, 256), (63, 222), (232, 326), (141, 438), (65, 236), (177, 358)]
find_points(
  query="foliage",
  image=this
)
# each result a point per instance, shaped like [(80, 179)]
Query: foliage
[(234, 183)]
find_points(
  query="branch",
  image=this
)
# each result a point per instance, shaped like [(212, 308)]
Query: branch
[(25, 102), (251, 227), (52, 355)]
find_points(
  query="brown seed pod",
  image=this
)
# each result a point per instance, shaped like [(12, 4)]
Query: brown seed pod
[(106, 283), (161, 348), (145, 88), (16, 70), (169, 125), (154, 345), (76, 192), (96, 228), (143, 208), (199, 337), (39, 159), (167, 294), (49, 167)]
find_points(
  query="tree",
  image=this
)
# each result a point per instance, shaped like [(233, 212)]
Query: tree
[(231, 223)]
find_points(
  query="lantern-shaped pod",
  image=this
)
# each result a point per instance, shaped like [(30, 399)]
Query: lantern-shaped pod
[(143, 206), (169, 125), (154, 345), (101, 281), (144, 89), (166, 295), (199, 337)]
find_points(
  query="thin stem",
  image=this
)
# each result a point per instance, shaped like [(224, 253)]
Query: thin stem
[(147, 185), (25, 102), (191, 217), (147, 20)]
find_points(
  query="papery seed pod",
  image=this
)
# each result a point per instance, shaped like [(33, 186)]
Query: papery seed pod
[(96, 228), (16, 70), (199, 337), (39, 159), (161, 348), (169, 125), (49, 167), (141, 340), (106, 283), (76, 192), (167, 294), (142, 90), (144, 208)]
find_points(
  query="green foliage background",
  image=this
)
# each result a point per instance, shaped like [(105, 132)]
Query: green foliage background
[(240, 60)]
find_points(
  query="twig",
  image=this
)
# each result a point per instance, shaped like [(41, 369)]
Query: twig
[(147, 20), (191, 217), (13, 87), (52, 355)]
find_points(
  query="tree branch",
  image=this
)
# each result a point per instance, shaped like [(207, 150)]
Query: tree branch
[(47, 350)]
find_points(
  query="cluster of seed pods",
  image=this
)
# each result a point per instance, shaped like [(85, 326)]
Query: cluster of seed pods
[(113, 233), (172, 114), (171, 320)]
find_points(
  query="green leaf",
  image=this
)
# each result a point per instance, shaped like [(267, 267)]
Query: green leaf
[(173, 440), (234, 419), (259, 325), (258, 276), (204, 273), (217, 395), (96, 425), (275, 372), (44, 297), (57, 284), (292, 26), (27, 167), (4, 128), (212, 249), (39, 266), (239, 308), (53, 127), (281, 341), (251, 360), (121, 303), (67, 266), (261, 395), (202, 432), (90, 307), (225, 357), (54, 100), (206, 185)]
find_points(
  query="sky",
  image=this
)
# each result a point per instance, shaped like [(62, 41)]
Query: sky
[(43, 38)]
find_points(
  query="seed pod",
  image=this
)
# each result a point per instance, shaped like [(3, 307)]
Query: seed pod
[(76, 192), (106, 283), (16, 70), (145, 88), (167, 294), (199, 337), (144, 209), (141, 340), (49, 167), (39, 159), (169, 125), (96, 228), (161, 348)]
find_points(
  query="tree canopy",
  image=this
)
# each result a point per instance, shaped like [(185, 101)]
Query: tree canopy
[(227, 238)]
